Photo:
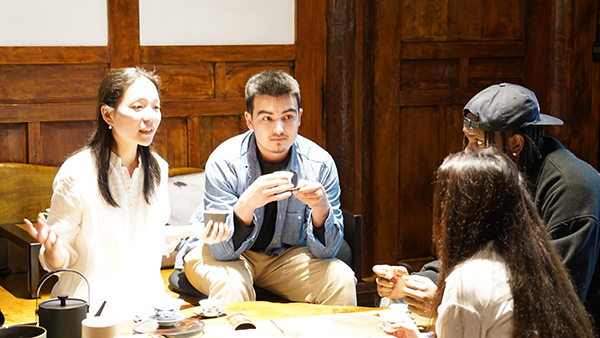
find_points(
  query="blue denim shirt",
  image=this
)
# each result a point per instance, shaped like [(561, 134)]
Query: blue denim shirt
[(230, 170)]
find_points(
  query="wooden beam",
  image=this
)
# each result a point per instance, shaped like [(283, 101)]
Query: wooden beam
[(124, 33), (311, 35), (52, 112), (204, 108), (33, 141), (339, 105), (53, 55), (449, 50), (166, 54)]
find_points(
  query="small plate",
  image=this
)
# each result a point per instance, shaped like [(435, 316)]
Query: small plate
[(169, 322), (188, 327), (221, 312)]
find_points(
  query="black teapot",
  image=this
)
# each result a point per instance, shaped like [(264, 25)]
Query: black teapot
[(62, 316)]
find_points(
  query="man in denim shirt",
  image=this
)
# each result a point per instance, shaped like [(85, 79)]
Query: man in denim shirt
[(285, 225)]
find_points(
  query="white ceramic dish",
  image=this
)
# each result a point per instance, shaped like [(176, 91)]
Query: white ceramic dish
[(168, 322), (221, 312), (186, 328)]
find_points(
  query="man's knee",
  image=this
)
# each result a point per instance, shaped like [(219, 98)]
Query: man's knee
[(341, 285), (342, 271), (213, 280)]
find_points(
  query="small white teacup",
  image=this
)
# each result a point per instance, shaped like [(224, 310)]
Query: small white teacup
[(400, 307), (389, 318), (210, 306), (167, 308)]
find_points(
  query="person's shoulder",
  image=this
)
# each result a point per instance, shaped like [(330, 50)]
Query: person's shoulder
[(233, 146), (311, 150), (83, 158), (557, 157), (485, 266), (79, 165)]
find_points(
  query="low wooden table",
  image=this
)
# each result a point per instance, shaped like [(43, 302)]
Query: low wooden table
[(271, 318)]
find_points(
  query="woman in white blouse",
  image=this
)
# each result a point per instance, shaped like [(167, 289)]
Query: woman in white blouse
[(501, 275), (110, 203)]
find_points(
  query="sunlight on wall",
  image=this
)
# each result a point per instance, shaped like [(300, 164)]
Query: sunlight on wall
[(53, 23), (172, 22), (217, 22)]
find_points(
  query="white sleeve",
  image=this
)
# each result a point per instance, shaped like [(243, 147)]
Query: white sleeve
[(457, 321), (65, 217)]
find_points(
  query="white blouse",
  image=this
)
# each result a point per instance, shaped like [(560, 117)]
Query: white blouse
[(118, 249), (477, 301)]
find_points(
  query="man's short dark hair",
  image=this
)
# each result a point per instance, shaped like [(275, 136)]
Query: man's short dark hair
[(270, 82)]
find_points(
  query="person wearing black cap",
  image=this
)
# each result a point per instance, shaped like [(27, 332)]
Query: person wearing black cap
[(566, 192)]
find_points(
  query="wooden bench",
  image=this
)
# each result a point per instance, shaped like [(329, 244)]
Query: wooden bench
[(25, 191)]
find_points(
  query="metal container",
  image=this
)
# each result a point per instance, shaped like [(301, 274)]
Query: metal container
[(22, 331), (62, 316)]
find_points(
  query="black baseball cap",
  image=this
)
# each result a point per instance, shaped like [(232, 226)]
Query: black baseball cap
[(506, 107)]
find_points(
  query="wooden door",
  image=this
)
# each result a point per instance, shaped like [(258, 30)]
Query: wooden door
[(400, 76)]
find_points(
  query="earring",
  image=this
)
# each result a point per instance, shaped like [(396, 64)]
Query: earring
[(514, 154), (110, 127)]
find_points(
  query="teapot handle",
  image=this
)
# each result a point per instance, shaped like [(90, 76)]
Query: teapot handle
[(52, 273)]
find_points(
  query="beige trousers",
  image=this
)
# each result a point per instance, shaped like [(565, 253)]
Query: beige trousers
[(296, 275)]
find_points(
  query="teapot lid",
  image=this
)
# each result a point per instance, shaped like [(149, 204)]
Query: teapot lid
[(62, 303)]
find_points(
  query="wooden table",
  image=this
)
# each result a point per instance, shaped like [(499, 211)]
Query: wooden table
[(271, 318)]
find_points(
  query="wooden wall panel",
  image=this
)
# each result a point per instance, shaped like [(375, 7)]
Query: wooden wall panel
[(424, 20), (485, 72), (13, 142), (418, 162), (49, 83), (429, 74), (464, 24), (238, 73), (584, 118), (450, 130), (214, 130), (170, 141), (186, 81), (59, 140), (502, 19)]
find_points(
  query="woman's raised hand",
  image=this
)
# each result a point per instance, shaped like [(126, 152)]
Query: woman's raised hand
[(48, 238)]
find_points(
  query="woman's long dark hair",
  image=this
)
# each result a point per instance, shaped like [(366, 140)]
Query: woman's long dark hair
[(480, 198), (112, 87)]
